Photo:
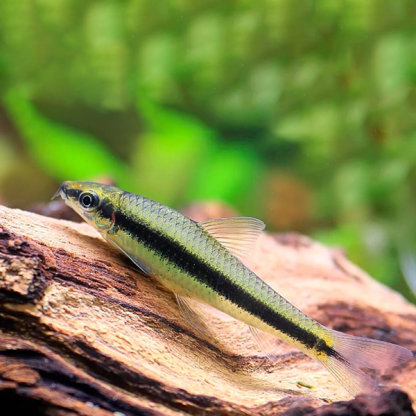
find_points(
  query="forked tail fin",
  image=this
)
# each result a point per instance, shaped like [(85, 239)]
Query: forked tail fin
[(352, 354)]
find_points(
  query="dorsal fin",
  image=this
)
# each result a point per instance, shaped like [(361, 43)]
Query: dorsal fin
[(237, 234)]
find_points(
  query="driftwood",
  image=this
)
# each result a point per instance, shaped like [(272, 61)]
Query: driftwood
[(82, 332)]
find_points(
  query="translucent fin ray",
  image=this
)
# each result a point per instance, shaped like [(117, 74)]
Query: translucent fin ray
[(371, 353), (143, 268), (238, 234), (266, 342), (357, 353), (191, 314)]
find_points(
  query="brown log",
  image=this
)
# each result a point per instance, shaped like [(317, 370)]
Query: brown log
[(82, 332)]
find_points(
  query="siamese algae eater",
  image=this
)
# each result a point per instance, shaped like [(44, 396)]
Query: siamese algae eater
[(202, 262)]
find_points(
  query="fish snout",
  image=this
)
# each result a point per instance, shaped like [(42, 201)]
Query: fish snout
[(60, 192), (67, 190)]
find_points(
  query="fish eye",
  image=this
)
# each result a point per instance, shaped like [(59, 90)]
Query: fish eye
[(89, 200)]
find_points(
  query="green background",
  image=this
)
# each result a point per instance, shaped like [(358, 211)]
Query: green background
[(301, 113)]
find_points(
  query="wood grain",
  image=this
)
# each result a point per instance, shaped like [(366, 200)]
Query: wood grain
[(84, 333)]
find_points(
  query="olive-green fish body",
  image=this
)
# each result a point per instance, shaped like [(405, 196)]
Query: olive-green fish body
[(195, 264), (201, 261)]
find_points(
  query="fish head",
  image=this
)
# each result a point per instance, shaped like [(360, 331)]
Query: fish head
[(94, 202)]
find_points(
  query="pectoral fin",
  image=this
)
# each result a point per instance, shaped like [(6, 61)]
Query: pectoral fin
[(143, 268)]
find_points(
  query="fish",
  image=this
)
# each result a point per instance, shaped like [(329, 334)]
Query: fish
[(205, 263)]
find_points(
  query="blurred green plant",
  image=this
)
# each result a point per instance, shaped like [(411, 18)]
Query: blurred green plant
[(302, 110), (61, 151)]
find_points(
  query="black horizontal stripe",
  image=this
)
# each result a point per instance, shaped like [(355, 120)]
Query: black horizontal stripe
[(217, 281), (105, 210), (73, 193)]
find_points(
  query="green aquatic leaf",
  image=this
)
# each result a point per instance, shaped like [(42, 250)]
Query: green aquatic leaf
[(390, 65), (62, 152), (156, 65), (167, 121), (170, 154), (164, 164), (229, 174)]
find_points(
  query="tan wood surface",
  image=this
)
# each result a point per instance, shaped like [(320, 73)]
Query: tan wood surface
[(82, 332)]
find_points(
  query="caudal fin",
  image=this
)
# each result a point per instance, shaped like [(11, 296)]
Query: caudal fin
[(352, 354)]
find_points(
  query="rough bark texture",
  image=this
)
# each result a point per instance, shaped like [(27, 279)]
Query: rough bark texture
[(82, 332)]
